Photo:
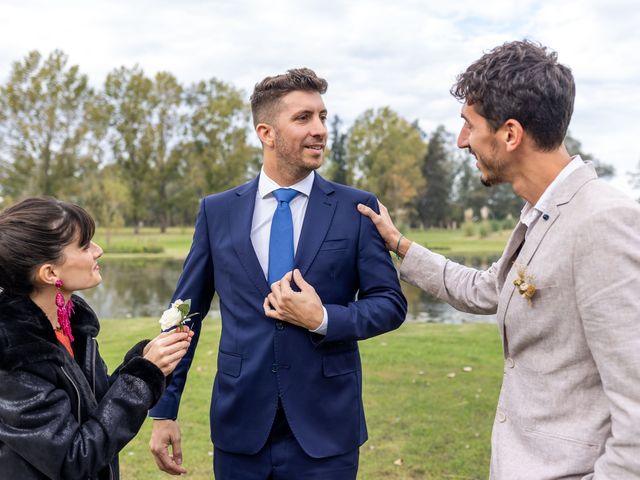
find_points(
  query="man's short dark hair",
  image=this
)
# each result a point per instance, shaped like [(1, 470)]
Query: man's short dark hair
[(521, 80), (268, 92)]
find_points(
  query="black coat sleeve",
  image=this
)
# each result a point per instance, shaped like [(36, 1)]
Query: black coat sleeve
[(36, 420)]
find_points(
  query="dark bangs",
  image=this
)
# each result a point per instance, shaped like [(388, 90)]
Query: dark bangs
[(79, 223)]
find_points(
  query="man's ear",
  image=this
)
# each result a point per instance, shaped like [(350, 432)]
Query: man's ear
[(46, 274), (266, 134), (512, 134)]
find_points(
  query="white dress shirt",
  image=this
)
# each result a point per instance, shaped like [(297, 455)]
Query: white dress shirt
[(265, 207), (531, 214)]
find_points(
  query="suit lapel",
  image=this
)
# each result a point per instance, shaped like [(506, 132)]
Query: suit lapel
[(317, 220), (240, 214), (564, 194), (513, 245)]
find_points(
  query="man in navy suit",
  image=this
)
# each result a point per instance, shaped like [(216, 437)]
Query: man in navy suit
[(287, 397)]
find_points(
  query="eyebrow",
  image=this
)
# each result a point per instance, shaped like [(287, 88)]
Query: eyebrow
[(307, 110)]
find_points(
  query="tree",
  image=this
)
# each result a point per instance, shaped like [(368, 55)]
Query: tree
[(469, 192), (433, 203), (383, 152), (215, 154), (167, 128), (574, 147), (130, 103), (337, 168), (107, 199), (46, 149)]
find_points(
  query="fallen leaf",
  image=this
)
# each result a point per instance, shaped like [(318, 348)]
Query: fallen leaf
[(467, 369), (451, 375), (398, 462)]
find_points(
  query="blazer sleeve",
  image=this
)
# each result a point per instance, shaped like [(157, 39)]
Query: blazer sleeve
[(380, 306), (606, 268), (196, 283), (464, 288)]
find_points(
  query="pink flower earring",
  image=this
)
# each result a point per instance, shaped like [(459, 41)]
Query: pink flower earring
[(64, 311)]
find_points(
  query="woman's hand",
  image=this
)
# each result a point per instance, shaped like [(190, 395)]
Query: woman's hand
[(168, 348)]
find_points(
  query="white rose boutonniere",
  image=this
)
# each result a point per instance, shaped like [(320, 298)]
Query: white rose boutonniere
[(176, 315), (524, 284)]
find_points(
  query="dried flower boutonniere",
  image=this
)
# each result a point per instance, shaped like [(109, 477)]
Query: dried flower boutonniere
[(524, 284)]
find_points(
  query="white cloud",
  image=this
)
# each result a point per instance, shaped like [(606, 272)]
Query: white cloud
[(405, 54)]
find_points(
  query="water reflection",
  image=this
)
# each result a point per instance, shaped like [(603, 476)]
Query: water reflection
[(142, 288)]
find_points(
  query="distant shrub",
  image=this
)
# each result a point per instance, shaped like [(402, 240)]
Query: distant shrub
[(508, 223), (483, 231), (469, 229), (150, 247), (496, 226)]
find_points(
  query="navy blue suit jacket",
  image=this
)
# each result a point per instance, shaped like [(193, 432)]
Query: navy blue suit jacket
[(318, 378)]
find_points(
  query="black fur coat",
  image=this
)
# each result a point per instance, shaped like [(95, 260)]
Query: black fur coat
[(62, 418)]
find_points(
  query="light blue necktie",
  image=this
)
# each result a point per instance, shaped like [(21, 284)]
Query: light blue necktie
[(281, 237)]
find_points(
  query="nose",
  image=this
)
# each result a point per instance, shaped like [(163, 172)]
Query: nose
[(97, 250), (318, 128), (463, 137)]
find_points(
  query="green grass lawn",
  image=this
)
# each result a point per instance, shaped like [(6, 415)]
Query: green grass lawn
[(175, 243), (424, 411)]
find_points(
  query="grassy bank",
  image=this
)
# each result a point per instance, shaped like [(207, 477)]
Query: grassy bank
[(423, 409), (176, 241)]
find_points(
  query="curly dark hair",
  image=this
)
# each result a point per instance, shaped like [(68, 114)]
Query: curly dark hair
[(521, 80), (33, 232), (268, 92)]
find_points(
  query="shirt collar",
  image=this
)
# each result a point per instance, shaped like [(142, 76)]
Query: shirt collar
[(530, 212), (266, 185)]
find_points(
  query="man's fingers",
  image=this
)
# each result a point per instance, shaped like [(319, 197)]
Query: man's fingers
[(285, 284), (177, 452), (166, 463), (165, 434), (300, 281), (368, 212), (269, 311), (276, 294)]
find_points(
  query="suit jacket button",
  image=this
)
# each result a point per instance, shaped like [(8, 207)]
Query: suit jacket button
[(501, 417), (509, 363), (279, 325)]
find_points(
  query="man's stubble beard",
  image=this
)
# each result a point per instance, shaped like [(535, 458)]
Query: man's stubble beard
[(291, 161)]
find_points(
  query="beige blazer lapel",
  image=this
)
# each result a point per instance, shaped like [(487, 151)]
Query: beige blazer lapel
[(507, 272)]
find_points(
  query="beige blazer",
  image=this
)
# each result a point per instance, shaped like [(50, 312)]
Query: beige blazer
[(569, 406)]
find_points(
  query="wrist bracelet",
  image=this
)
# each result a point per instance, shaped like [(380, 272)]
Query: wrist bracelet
[(397, 251)]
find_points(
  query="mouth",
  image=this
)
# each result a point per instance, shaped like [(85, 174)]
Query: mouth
[(316, 147)]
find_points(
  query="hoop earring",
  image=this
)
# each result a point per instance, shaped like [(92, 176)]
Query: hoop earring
[(64, 311)]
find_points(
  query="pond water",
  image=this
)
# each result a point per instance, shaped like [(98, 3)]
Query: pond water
[(143, 287)]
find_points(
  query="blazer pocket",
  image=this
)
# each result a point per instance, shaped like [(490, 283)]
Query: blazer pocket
[(561, 438), (339, 364), (334, 244), (229, 364)]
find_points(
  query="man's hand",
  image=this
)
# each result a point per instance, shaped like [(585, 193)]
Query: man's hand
[(303, 308), (393, 239), (166, 433)]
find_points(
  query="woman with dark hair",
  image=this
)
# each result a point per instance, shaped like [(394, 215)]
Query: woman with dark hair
[(61, 415)]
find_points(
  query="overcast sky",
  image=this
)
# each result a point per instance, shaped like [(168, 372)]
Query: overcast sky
[(400, 53)]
